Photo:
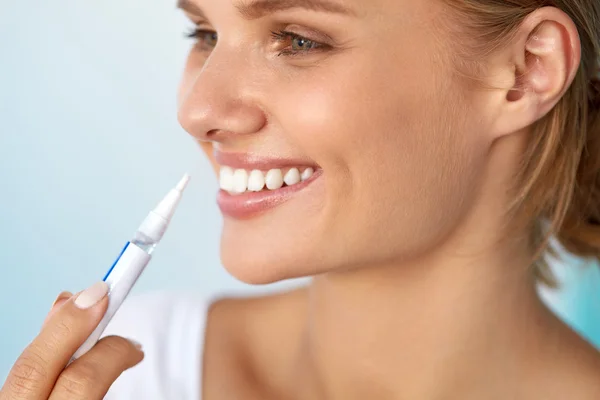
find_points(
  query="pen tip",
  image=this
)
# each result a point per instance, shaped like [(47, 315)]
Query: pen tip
[(183, 183)]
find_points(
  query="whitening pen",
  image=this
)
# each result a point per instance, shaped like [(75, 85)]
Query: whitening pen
[(134, 257)]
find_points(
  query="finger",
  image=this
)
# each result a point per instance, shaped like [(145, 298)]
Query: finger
[(36, 370), (90, 376), (62, 298), (66, 295)]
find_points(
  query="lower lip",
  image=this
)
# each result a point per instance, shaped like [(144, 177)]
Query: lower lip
[(250, 204)]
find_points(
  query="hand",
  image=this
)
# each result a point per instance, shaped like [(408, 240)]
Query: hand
[(41, 372)]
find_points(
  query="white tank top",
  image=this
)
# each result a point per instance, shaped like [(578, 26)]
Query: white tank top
[(171, 330)]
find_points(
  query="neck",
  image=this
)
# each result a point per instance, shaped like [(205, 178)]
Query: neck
[(463, 321), (421, 331)]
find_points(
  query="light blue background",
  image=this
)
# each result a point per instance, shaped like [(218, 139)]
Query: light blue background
[(89, 142)]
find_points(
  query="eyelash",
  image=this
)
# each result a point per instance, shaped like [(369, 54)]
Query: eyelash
[(279, 36), (283, 36), (198, 34)]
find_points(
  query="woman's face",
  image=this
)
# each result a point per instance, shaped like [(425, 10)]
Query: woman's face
[(361, 91)]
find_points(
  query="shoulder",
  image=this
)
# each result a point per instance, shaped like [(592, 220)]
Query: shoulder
[(582, 370), (243, 319), (170, 328), (569, 368), (249, 343)]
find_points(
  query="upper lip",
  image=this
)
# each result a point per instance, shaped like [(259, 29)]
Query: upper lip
[(251, 161)]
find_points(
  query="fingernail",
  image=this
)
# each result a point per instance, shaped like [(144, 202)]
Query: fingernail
[(137, 344), (62, 296), (91, 295)]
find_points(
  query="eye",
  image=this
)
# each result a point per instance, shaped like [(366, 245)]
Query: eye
[(296, 44), (206, 38), (302, 44)]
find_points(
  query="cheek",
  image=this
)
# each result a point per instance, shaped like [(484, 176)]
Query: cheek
[(397, 153)]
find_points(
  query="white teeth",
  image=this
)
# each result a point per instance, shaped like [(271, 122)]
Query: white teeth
[(256, 181), (274, 179), (226, 179), (240, 181), (308, 172), (292, 177)]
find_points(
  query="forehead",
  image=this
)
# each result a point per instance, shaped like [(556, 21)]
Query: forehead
[(254, 9)]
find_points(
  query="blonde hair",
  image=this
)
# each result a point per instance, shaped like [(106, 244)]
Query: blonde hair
[(558, 186)]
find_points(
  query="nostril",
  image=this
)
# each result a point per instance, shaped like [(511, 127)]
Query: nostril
[(216, 135), (212, 133)]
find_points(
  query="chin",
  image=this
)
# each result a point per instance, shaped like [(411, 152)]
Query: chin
[(251, 271), (257, 253), (256, 268), (280, 243)]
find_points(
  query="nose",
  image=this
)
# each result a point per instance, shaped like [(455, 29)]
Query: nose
[(215, 101)]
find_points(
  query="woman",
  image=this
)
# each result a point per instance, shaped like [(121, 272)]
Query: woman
[(414, 157)]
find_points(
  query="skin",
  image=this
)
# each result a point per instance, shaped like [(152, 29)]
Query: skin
[(41, 372), (421, 288), (415, 287)]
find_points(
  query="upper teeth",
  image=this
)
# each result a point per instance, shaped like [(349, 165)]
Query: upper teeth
[(238, 181)]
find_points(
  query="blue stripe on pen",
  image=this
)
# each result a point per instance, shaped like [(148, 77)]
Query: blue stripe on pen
[(116, 261)]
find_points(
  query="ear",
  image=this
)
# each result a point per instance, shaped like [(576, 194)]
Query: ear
[(540, 64)]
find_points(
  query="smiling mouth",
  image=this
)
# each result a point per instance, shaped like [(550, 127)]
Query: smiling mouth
[(251, 185), (239, 181)]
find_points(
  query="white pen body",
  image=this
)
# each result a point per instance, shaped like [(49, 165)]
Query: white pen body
[(133, 259), (120, 279)]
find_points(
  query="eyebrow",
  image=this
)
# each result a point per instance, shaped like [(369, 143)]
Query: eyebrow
[(190, 7), (255, 9)]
